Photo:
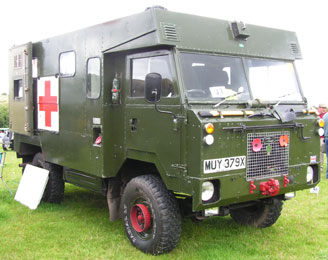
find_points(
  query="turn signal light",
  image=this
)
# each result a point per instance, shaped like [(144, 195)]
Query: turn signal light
[(209, 128), (321, 123)]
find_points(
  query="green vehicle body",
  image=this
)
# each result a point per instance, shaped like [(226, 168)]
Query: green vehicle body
[(165, 138)]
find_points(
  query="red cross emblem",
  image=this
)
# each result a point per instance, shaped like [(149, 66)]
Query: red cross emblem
[(48, 103)]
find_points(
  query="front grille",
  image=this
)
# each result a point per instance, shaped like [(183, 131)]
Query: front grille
[(271, 160)]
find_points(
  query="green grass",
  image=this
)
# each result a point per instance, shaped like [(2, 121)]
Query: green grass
[(79, 229)]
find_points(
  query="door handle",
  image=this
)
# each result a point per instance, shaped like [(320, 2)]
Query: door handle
[(133, 124)]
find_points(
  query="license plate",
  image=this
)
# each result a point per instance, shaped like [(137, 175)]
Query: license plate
[(224, 164)]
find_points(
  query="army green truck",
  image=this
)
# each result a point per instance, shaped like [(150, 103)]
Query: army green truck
[(167, 114)]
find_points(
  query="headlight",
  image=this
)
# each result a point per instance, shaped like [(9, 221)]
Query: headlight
[(209, 139), (309, 174), (321, 131), (207, 190)]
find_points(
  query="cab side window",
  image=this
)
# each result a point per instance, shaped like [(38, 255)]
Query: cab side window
[(93, 78), (67, 64), (18, 89), (142, 66)]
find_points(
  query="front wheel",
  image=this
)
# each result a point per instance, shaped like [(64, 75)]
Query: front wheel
[(151, 215), (262, 214)]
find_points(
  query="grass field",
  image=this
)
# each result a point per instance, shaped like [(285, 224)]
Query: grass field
[(79, 229)]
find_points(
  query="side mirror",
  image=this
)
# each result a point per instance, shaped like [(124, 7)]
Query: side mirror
[(153, 87)]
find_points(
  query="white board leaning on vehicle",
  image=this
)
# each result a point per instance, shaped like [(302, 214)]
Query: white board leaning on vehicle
[(32, 185)]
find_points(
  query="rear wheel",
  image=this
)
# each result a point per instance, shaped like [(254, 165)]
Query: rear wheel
[(151, 215), (262, 214), (54, 191)]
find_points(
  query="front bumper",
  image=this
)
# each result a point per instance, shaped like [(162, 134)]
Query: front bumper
[(235, 188)]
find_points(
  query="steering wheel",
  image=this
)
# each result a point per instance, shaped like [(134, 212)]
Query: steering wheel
[(196, 92)]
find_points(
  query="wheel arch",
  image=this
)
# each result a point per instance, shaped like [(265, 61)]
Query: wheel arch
[(116, 185), (26, 152), (26, 149)]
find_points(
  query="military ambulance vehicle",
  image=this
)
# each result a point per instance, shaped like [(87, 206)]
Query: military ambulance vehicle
[(167, 114)]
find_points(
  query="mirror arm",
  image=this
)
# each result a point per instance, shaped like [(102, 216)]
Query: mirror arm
[(165, 112), (162, 111)]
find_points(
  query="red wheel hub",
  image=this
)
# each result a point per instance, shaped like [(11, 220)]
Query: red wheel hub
[(140, 218)]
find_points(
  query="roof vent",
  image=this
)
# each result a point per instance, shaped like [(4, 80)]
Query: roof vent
[(156, 7), (295, 51), (170, 32)]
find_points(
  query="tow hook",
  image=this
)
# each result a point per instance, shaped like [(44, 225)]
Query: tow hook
[(286, 181), (271, 187), (252, 187)]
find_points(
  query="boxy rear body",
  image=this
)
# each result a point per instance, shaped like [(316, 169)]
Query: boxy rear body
[(79, 100)]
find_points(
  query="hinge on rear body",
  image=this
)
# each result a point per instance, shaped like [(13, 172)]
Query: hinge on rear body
[(182, 167)]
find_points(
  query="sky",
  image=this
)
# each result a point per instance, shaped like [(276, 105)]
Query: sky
[(24, 21)]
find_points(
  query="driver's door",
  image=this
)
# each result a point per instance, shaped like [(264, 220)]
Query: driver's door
[(150, 135)]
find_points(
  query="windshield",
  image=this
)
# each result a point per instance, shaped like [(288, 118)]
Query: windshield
[(213, 77), (273, 80), (209, 77)]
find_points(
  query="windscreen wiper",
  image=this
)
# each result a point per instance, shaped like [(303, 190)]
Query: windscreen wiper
[(240, 91), (262, 114), (283, 96)]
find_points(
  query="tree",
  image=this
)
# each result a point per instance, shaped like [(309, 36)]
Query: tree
[(4, 116)]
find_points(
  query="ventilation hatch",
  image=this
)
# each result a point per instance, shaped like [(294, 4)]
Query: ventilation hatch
[(295, 51), (170, 32)]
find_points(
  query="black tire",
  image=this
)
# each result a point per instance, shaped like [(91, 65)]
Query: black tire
[(12, 145), (263, 214), (54, 191), (26, 159), (148, 194)]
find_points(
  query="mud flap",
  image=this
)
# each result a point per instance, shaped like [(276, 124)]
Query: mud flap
[(114, 199)]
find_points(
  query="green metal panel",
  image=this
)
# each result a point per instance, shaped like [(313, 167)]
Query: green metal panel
[(73, 146), (155, 134), (114, 152), (203, 34), (152, 136), (21, 89), (189, 32), (234, 188)]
